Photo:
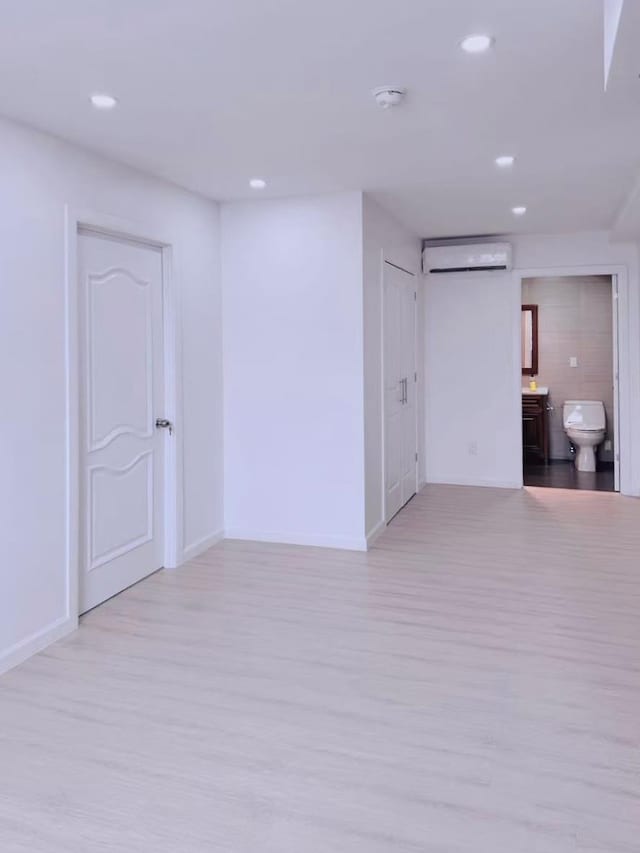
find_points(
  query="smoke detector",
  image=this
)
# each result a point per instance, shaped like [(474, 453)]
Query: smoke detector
[(389, 96)]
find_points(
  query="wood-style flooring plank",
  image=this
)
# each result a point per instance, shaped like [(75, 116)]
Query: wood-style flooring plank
[(471, 685)]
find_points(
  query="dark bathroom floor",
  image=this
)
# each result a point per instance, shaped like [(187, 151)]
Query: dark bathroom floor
[(561, 474)]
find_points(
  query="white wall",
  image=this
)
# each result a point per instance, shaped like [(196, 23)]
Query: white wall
[(472, 431), (473, 360), (383, 239), (293, 370), (612, 17), (38, 176)]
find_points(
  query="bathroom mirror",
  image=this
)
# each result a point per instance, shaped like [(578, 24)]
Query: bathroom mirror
[(529, 340)]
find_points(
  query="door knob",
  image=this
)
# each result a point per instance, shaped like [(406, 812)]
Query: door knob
[(163, 423)]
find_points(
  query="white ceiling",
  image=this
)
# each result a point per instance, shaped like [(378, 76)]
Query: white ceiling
[(213, 92)]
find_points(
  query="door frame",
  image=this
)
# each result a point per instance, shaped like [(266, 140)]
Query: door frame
[(387, 260), (622, 379), (147, 234)]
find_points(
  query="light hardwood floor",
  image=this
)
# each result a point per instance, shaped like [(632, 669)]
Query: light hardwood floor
[(472, 684)]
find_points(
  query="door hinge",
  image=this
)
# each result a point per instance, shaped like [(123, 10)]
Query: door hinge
[(415, 295), (415, 377), (416, 457)]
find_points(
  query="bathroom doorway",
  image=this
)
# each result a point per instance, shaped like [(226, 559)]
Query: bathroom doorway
[(569, 382)]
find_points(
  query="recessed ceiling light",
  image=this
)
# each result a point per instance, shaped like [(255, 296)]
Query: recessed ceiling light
[(476, 43), (257, 184), (102, 101), (520, 210), (505, 161)]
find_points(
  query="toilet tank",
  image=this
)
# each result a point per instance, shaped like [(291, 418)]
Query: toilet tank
[(584, 414)]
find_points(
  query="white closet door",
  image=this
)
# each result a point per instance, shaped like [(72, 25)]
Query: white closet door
[(410, 410), (393, 390), (122, 459), (399, 389)]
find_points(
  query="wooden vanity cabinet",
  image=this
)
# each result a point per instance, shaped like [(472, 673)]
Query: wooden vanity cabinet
[(535, 426)]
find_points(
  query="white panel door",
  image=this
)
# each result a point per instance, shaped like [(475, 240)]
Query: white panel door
[(393, 391), (400, 404), (121, 391), (616, 381), (410, 409)]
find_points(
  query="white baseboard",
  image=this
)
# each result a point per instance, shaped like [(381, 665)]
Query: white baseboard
[(375, 533), (339, 542), (35, 643), (201, 545), (464, 481)]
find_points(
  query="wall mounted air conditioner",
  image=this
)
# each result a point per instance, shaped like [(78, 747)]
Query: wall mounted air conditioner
[(474, 257)]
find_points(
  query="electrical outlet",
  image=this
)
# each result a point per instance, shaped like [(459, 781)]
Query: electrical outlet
[(573, 361), (473, 448), (608, 445)]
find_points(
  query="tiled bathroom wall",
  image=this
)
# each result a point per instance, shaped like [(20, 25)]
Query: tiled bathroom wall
[(574, 320)]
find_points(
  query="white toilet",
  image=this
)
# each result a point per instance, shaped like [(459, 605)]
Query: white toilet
[(585, 424)]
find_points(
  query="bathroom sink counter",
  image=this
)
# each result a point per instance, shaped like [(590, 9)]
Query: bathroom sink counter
[(541, 391)]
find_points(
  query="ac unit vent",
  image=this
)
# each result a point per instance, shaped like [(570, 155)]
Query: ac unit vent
[(475, 257)]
